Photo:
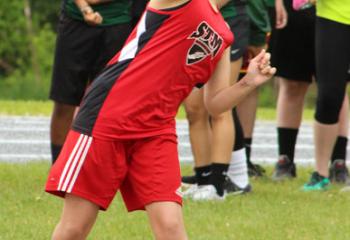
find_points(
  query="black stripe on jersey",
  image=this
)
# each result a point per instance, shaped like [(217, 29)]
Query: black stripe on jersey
[(153, 23), (101, 86), (96, 95)]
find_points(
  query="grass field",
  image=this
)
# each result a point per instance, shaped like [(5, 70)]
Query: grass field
[(44, 108), (274, 211)]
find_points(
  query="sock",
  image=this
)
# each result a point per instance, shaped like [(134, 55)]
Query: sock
[(218, 175), (287, 138), (339, 150), (55, 152), (238, 170), (203, 174), (247, 146)]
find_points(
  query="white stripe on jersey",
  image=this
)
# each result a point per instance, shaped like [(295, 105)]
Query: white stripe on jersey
[(129, 50)]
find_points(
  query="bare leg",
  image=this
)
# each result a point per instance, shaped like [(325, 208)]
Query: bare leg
[(78, 217), (344, 118), (290, 103), (247, 108), (247, 113), (223, 128), (199, 128), (325, 136), (61, 121), (166, 221), (222, 138)]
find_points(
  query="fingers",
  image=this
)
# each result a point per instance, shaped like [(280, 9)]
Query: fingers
[(273, 71), (265, 61), (260, 56), (98, 18), (268, 70), (281, 22)]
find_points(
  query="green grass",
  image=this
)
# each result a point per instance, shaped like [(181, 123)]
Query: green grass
[(44, 108), (25, 108), (274, 211)]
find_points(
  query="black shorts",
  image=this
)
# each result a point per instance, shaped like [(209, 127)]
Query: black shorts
[(293, 47), (81, 53), (239, 25)]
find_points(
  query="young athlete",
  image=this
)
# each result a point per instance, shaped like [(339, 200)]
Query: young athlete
[(212, 142), (90, 32), (123, 137), (332, 66)]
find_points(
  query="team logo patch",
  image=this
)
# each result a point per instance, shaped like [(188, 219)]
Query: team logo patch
[(206, 43)]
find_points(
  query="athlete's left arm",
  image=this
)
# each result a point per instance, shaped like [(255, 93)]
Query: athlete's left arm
[(219, 97)]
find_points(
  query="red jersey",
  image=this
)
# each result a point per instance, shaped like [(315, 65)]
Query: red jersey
[(168, 53)]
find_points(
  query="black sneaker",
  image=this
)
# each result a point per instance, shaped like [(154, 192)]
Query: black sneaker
[(284, 169), (189, 180), (255, 170), (338, 172), (231, 188)]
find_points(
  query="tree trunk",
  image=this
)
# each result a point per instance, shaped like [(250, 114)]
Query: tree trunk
[(30, 32)]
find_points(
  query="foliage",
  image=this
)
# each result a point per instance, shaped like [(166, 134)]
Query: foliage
[(18, 80)]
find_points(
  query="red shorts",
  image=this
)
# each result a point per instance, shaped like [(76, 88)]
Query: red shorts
[(145, 170)]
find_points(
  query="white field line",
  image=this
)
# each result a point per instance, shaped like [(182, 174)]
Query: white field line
[(10, 157), (24, 142), (268, 161), (182, 132), (13, 158), (181, 144), (24, 129)]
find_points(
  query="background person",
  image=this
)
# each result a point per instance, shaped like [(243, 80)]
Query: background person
[(90, 32), (259, 27), (295, 75), (212, 142), (332, 65)]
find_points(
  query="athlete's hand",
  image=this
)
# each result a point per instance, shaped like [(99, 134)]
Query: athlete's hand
[(281, 15), (259, 70), (93, 18)]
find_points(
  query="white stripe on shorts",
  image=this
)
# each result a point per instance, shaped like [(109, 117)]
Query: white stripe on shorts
[(81, 162), (69, 161), (74, 164)]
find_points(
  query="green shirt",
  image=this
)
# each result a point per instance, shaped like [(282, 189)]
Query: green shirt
[(335, 10), (114, 12), (232, 8), (258, 14), (270, 3), (228, 10)]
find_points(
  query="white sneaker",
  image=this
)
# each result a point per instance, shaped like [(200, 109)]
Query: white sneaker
[(207, 193), (189, 192)]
